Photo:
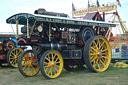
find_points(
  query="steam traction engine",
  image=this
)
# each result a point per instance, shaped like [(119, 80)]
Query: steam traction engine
[(58, 41), (9, 52)]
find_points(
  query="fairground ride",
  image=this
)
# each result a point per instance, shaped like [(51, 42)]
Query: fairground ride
[(99, 13), (108, 13)]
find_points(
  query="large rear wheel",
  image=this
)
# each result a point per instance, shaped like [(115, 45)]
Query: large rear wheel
[(51, 64), (28, 64), (13, 55), (97, 54)]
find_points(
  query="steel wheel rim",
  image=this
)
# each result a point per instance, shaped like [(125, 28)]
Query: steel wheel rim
[(53, 64), (100, 54), (29, 64), (14, 55)]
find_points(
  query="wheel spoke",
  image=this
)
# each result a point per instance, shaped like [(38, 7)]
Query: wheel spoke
[(92, 54), (102, 63), (46, 70), (95, 44), (24, 67), (99, 66), (102, 44), (97, 61), (20, 51), (56, 59), (94, 64), (105, 57), (14, 61), (48, 56), (104, 50), (47, 59), (57, 66), (11, 58), (91, 51), (98, 43), (52, 56), (93, 48), (54, 71), (103, 60), (16, 53), (32, 68), (45, 66), (50, 71), (104, 53), (31, 57), (27, 69), (93, 59), (58, 62), (45, 63), (13, 54)]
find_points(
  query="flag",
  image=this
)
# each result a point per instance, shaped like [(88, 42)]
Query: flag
[(73, 7), (119, 2), (98, 3), (88, 4)]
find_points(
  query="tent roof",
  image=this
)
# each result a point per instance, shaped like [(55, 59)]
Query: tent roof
[(90, 16)]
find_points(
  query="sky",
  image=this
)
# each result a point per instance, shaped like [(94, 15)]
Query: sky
[(11, 7)]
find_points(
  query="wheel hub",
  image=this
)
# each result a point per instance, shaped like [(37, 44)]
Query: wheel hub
[(52, 64), (15, 57), (29, 63), (99, 54)]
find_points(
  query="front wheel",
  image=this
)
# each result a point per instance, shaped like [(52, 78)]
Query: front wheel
[(12, 56), (28, 64), (51, 64), (97, 54)]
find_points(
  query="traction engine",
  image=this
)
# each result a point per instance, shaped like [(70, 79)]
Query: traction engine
[(58, 41), (9, 52)]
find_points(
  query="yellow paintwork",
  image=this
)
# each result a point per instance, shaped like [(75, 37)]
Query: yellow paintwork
[(14, 55), (100, 54), (120, 65), (29, 64), (53, 64)]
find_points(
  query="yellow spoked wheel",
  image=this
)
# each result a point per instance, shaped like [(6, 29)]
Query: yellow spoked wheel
[(51, 64), (13, 55), (97, 54), (28, 64)]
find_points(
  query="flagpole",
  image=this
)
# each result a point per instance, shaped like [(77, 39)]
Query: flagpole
[(72, 11), (88, 6)]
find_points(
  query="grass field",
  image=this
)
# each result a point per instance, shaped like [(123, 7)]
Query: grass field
[(113, 76)]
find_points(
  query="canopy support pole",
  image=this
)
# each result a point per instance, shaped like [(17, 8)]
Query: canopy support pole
[(28, 36), (17, 29), (49, 31)]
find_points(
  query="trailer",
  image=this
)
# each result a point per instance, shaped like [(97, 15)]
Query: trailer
[(58, 41)]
